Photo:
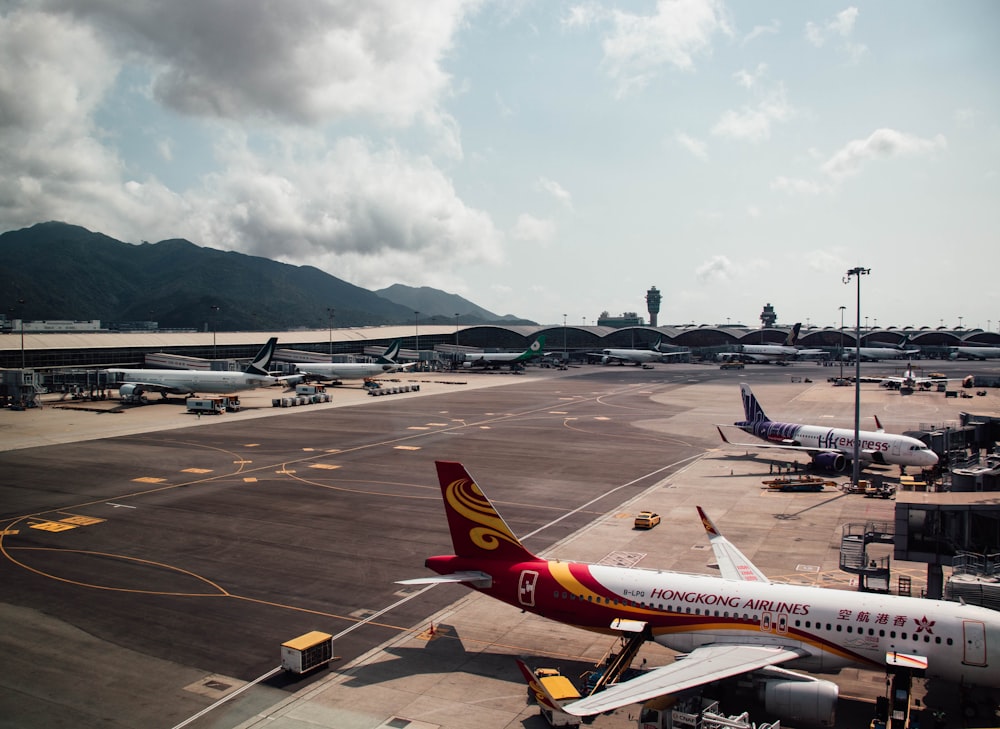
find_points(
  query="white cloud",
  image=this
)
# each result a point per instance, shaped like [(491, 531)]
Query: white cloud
[(881, 144), (554, 189), (532, 229), (840, 26), (797, 186), (695, 146), (772, 28), (749, 79), (717, 269), (754, 123), (638, 46), (301, 61)]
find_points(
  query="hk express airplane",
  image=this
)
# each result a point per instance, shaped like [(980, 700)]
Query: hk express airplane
[(830, 448), (727, 626)]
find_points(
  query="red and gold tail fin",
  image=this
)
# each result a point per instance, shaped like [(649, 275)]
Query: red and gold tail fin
[(477, 529)]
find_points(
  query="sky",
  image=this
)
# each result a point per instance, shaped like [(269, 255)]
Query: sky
[(547, 159)]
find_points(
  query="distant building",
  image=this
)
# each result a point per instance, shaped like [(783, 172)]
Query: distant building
[(653, 305), (59, 325), (628, 319), (767, 316)]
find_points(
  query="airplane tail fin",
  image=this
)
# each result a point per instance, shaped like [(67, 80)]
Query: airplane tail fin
[(752, 410), (537, 347), (793, 336), (477, 529), (261, 363), (390, 354)]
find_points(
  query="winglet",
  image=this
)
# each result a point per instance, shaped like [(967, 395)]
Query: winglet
[(878, 425), (708, 523), (733, 564), (724, 439)]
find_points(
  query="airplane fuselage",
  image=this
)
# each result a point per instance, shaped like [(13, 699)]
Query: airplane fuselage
[(832, 628), (877, 447), (181, 382), (635, 356), (345, 370), (981, 353)]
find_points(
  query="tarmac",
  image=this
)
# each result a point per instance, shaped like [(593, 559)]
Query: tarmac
[(456, 669)]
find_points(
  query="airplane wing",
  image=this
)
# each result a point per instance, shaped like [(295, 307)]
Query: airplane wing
[(156, 387), (473, 577), (700, 666), (733, 564), (789, 446)]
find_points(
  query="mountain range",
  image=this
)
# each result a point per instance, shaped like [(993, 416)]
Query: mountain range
[(60, 271)]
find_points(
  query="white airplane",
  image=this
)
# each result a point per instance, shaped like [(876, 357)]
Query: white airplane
[(909, 379), (773, 352), (190, 382), (638, 356), (879, 351), (736, 624), (386, 363), (974, 352), (496, 359), (831, 449)]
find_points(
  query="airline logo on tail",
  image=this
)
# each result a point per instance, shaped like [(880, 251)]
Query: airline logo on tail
[(752, 410), (390, 354), (261, 363), (476, 526)]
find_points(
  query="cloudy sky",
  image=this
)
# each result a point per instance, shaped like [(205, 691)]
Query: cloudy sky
[(540, 158)]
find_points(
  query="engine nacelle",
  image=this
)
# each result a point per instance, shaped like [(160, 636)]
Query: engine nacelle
[(812, 701), (830, 462), (130, 391)]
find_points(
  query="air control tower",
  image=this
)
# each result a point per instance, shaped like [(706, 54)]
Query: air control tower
[(653, 304)]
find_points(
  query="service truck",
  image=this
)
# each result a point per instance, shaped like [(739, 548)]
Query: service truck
[(211, 405)]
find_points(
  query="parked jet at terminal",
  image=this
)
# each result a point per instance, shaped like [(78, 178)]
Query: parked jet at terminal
[(974, 352), (878, 351), (189, 382), (385, 364), (736, 624), (774, 352), (831, 449), (497, 359), (638, 356)]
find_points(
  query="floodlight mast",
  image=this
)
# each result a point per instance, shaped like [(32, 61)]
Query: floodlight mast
[(857, 273)]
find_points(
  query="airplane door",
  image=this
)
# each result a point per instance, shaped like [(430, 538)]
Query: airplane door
[(895, 447), (974, 633)]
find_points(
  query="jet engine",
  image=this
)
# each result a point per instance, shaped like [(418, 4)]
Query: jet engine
[(808, 700), (830, 462), (131, 392)]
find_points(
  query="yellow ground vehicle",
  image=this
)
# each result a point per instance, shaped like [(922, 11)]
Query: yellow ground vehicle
[(646, 520)]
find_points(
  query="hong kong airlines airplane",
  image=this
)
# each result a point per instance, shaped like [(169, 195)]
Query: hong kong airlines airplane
[(727, 626), (831, 449)]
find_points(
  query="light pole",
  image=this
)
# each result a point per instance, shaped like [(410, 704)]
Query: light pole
[(20, 317), (564, 337), (456, 328), (215, 309), (842, 341), (857, 273), (416, 333), (329, 321)]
